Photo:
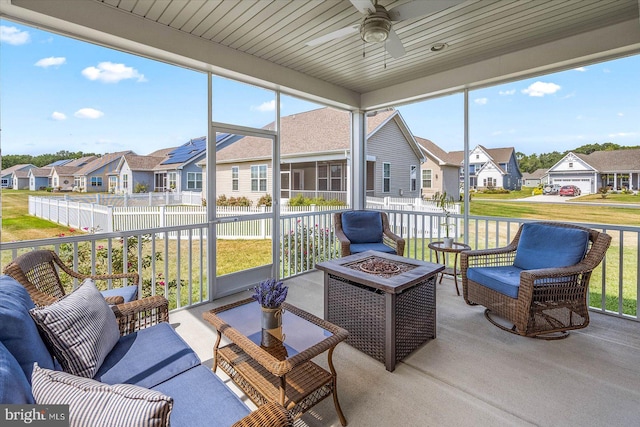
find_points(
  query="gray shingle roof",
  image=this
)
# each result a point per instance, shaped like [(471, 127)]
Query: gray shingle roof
[(321, 130), (142, 163), (431, 147), (101, 161), (613, 161)]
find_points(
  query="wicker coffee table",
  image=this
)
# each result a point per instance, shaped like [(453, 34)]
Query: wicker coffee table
[(388, 307), (275, 365)]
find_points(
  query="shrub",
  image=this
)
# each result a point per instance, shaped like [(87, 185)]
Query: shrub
[(300, 200), (265, 200), (141, 188), (604, 192), (233, 201), (305, 246)]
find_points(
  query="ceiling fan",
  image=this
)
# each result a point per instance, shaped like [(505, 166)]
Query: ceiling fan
[(377, 24)]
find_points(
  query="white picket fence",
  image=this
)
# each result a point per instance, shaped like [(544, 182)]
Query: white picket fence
[(127, 214)]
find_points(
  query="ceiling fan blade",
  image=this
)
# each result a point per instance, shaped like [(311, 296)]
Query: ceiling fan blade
[(334, 35), (394, 46), (419, 8), (364, 6)]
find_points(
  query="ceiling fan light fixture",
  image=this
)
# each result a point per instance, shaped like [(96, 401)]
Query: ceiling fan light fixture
[(375, 27), (437, 47)]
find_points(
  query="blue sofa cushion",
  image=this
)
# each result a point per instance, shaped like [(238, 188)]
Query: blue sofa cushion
[(147, 357), (362, 247), (546, 246), (99, 405), (18, 332), (505, 280), (14, 385), (200, 398), (362, 226), (129, 293)]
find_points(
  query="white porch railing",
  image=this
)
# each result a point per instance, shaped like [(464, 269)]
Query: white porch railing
[(171, 260)]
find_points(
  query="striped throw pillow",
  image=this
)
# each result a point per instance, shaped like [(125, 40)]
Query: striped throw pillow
[(80, 329), (94, 404)]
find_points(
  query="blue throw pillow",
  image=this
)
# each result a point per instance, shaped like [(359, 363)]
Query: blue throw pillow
[(14, 385), (362, 226), (548, 246), (18, 332)]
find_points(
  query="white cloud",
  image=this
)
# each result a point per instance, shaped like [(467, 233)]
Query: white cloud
[(481, 101), (51, 61), (14, 36), (623, 135), (620, 114), (108, 72), (581, 69), (88, 113), (58, 116), (507, 92), (265, 106), (541, 89)]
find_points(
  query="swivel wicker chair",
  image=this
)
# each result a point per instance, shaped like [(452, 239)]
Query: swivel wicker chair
[(539, 281), (361, 230), (37, 271)]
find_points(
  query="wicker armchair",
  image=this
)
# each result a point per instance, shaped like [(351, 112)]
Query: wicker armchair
[(360, 231), (545, 301), (37, 271)]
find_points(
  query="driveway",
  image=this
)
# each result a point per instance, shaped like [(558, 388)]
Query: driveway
[(549, 198)]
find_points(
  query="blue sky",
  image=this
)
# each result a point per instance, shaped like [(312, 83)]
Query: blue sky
[(62, 94)]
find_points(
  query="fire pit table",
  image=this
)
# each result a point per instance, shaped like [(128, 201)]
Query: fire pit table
[(386, 302)]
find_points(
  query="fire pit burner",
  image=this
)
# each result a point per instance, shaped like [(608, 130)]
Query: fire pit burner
[(377, 266)]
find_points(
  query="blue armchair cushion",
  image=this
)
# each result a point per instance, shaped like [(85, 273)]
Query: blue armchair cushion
[(18, 332), (200, 398), (505, 280), (129, 293), (546, 246), (362, 226), (14, 385), (166, 355), (362, 247)]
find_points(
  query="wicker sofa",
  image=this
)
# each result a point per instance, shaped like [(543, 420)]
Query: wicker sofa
[(539, 282), (148, 357)]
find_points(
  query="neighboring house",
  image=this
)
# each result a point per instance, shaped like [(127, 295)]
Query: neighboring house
[(179, 170), (134, 171), (536, 178), (439, 173), (39, 178), (315, 155), (8, 178), (62, 177), (614, 169), (490, 168), (93, 177), (20, 179)]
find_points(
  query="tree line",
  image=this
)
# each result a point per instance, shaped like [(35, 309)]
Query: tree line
[(531, 163), (41, 159)]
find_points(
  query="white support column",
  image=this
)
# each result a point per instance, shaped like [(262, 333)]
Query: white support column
[(467, 197), (211, 194), (357, 190)]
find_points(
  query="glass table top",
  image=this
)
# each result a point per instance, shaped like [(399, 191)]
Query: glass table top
[(296, 334)]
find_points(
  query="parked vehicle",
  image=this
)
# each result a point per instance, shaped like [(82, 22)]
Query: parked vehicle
[(551, 189), (569, 190)]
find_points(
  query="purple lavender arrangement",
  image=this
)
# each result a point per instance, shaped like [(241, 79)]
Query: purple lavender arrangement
[(270, 293)]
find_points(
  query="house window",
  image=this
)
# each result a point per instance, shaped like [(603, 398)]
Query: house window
[(125, 181), (77, 182), (323, 178), (570, 164), (336, 177), (194, 180), (477, 156), (259, 178), (426, 178), (96, 181), (413, 178), (235, 180), (386, 177), (55, 181), (489, 182), (5, 182), (172, 178)]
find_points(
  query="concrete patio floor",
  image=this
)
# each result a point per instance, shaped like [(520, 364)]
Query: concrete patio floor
[(472, 374)]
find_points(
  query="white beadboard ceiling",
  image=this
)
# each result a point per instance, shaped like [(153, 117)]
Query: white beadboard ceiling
[(277, 32)]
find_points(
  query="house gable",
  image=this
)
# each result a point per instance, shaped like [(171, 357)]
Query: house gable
[(571, 163)]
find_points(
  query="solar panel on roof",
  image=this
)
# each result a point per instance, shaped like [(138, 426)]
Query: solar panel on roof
[(187, 151)]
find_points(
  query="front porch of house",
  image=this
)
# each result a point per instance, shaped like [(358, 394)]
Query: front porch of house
[(472, 374)]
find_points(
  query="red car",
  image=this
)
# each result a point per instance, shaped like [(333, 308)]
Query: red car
[(569, 190)]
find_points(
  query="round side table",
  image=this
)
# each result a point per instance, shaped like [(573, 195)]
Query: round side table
[(455, 249)]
